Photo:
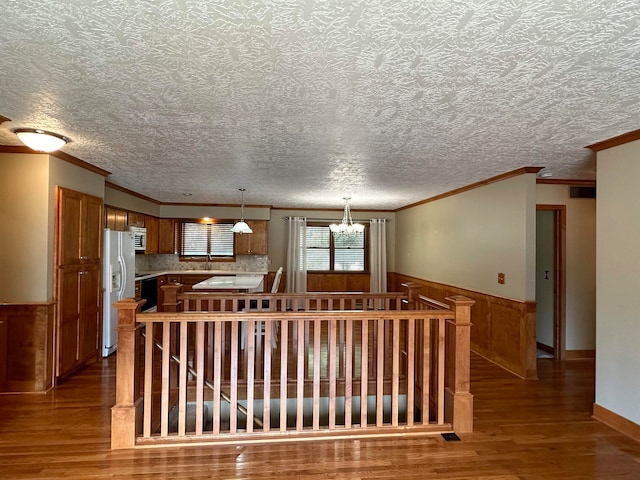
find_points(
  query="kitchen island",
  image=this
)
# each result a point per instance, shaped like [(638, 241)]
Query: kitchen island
[(234, 283)]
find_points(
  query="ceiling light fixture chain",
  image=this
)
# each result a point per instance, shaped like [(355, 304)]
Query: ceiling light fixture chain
[(346, 227), (241, 226)]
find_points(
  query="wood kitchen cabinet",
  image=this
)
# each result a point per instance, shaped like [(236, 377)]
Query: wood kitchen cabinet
[(115, 219), (162, 280), (79, 255), (80, 233), (79, 318), (136, 219), (252, 243), (151, 224), (166, 235)]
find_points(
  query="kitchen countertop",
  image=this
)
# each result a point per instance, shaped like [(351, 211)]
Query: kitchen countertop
[(241, 282), (145, 275)]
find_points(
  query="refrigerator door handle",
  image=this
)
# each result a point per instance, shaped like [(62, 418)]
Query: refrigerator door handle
[(123, 282)]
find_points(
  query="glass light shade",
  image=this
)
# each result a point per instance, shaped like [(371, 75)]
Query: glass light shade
[(346, 227), (241, 227), (41, 140)]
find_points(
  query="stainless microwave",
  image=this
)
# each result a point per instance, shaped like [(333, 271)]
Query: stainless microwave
[(139, 238)]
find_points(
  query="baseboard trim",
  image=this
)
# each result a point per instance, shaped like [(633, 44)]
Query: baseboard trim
[(545, 348), (580, 354), (617, 422)]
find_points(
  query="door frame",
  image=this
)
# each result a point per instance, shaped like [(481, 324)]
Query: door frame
[(559, 277)]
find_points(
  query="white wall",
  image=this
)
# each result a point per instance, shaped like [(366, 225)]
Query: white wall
[(617, 281), (465, 240), (580, 263)]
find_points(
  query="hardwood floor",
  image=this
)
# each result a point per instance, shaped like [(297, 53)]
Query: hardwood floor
[(523, 430)]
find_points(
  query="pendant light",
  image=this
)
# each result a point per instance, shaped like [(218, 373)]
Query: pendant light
[(346, 227), (241, 226), (41, 140)]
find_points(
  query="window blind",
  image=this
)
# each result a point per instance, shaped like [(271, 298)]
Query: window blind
[(326, 252), (202, 239)]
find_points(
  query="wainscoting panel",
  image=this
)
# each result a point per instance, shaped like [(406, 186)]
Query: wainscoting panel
[(26, 347), (503, 330)]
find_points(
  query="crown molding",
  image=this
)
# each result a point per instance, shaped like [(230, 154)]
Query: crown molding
[(566, 181), (482, 183), (61, 155), (615, 141)]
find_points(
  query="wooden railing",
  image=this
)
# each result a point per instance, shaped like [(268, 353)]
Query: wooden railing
[(252, 375)]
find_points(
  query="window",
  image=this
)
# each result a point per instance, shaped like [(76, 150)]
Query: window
[(202, 239), (326, 252)]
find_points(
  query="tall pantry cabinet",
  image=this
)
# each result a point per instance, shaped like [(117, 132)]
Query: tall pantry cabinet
[(78, 267)]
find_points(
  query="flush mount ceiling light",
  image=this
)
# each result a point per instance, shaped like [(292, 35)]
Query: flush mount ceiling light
[(241, 226), (346, 227), (41, 140), (545, 173)]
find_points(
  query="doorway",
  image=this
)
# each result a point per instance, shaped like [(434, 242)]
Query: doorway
[(550, 280)]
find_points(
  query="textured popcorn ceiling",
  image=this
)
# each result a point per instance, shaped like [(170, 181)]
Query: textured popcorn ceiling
[(304, 102)]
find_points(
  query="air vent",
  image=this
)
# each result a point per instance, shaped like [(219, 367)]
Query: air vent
[(582, 192)]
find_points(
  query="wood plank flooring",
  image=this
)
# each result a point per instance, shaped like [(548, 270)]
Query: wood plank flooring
[(523, 430)]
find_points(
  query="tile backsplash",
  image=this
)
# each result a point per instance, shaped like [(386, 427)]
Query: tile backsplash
[(243, 263)]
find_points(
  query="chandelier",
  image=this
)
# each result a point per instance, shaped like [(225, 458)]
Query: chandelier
[(346, 227)]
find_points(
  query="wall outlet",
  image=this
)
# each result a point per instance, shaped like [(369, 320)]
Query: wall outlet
[(501, 278)]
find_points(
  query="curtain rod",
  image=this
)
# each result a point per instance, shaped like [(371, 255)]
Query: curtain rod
[(309, 219)]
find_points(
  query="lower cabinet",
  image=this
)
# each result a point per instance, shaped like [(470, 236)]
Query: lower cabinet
[(78, 329)]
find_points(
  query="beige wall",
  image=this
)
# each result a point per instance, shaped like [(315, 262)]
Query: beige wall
[(120, 199), (465, 240), (197, 211), (617, 281), (580, 264), (27, 216), (24, 217), (278, 231)]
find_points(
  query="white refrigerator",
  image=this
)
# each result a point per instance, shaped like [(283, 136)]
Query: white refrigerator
[(118, 281)]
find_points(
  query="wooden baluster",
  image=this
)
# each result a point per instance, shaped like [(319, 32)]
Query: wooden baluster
[(395, 369), (217, 373), (380, 367), (200, 337), (348, 376), (332, 353), (284, 356), (411, 371), (364, 371)]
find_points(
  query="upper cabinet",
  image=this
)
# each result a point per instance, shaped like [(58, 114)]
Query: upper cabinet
[(151, 224), (166, 235), (80, 220), (136, 219), (252, 243), (115, 219)]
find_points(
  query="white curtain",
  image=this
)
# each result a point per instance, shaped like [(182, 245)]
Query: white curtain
[(378, 255), (297, 255)]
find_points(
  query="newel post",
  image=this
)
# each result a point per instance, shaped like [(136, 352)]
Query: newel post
[(413, 292), (458, 399), (124, 420), (171, 303)]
